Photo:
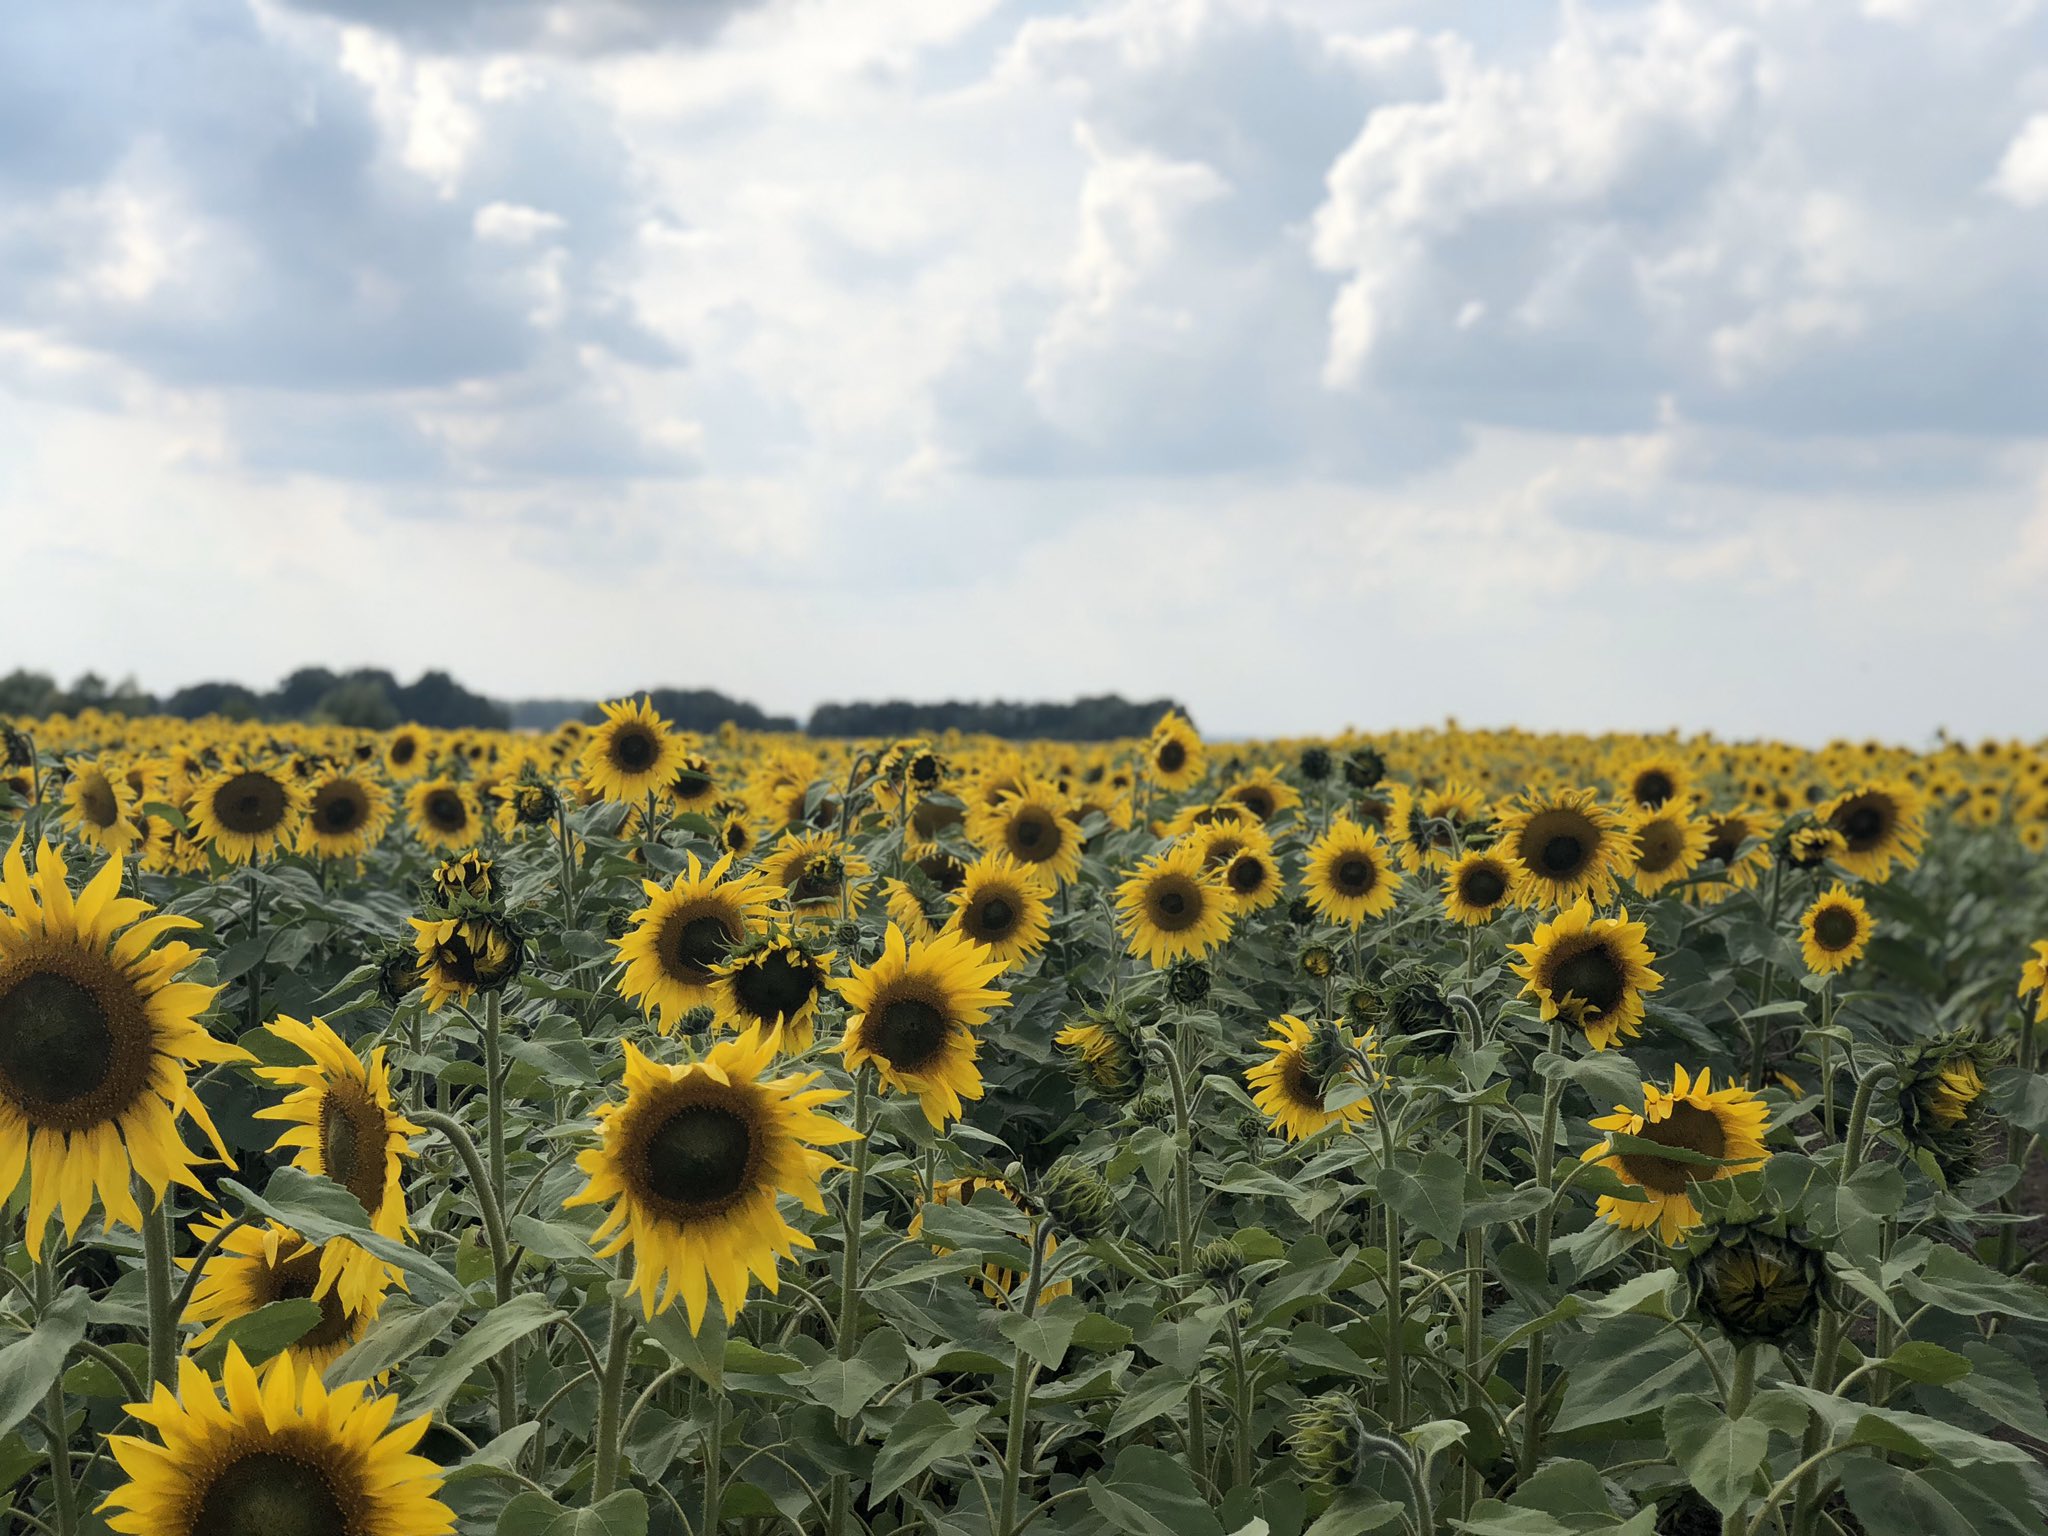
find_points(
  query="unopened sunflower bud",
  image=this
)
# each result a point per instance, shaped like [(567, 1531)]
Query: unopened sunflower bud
[(1187, 983), (1251, 1128), (846, 935), (1322, 1439), (1319, 961), (1364, 767), (1757, 1281), (1300, 913), (1315, 764), (698, 1020), (397, 973), (1152, 1108), (1076, 1198), (1941, 1097), (1219, 1261)]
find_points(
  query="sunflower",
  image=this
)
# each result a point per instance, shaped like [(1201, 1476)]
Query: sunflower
[(525, 803), (405, 756), (773, 986), (1477, 886), (100, 808), (281, 1456), (692, 1164), (1174, 908), (2034, 979), (1033, 825), (1652, 782), (1727, 835), (1004, 907), (1304, 1063), (914, 1014), (679, 939), (1669, 846), (1883, 823), (246, 812), (735, 831), (997, 1283), (1592, 971), (1175, 756), (1264, 793), (1105, 1054), (345, 1126), (814, 869), (633, 753), (1690, 1117), (1350, 875), (1834, 931), (458, 957), (1253, 880), (255, 1266), (442, 813), (1425, 824), (97, 1032), (693, 786), (918, 915), (1565, 845), (346, 817)]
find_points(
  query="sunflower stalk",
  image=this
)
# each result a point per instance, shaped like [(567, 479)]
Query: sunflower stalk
[(156, 1274), (611, 1392), (1184, 1221), (1545, 1152), (63, 1492), (493, 1210), (1023, 1374), (1741, 1388), (1475, 1242), (848, 1330)]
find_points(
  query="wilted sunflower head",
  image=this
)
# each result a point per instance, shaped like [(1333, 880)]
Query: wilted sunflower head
[(469, 877), (459, 957), (527, 802), (1105, 1053), (1941, 1097), (1803, 842)]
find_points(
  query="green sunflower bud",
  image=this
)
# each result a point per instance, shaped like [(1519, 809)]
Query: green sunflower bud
[(1757, 1280), (698, 1020), (1322, 1440), (1941, 1097), (1364, 767), (1319, 961), (1152, 1108), (1219, 1261), (1188, 982), (1315, 764), (1076, 1198)]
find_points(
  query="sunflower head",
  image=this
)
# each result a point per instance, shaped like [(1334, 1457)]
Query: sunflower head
[(1077, 1198), (1941, 1089), (247, 812), (1591, 971), (1565, 845), (1805, 843), (1003, 906), (1652, 782), (774, 984), (1364, 767), (459, 957), (346, 813), (1712, 1134), (1297, 1084), (1350, 874), (1106, 1054), (1323, 1441), (254, 1266), (1175, 757), (1882, 823), (469, 878), (1314, 764), (1478, 886), (527, 802), (915, 1014), (673, 946), (998, 1283), (1173, 907), (1834, 931), (1759, 1280), (2034, 980), (633, 753)]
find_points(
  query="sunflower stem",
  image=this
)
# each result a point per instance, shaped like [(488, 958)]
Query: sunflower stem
[(1475, 1257), (254, 984), (156, 1274), (494, 1136), (1397, 1312), (1184, 1225), (1741, 1388), (62, 1491), (611, 1393), (493, 1211), (1023, 1373), (714, 1456), (1546, 1153), (848, 1331)]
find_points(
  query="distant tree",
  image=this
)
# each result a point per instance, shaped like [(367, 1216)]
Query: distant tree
[(438, 700), (302, 693), (229, 699), (28, 693), (1103, 717), (361, 702)]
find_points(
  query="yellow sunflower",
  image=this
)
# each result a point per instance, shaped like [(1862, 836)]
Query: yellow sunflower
[(914, 1014), (1264, 793), (100, 808), (346, 815), (1670, 843), (97, 1033), (255, 1266), (1692, 1118), (1564, 845), (1033, 825), (2034, 979), (1650, 783), (247, 812), (1424, 823), (1304, 1063), (773, 985), (1172, 907), (1727, 833), (908, 910), (405, 755), (693, 786), (1350, 874), (280, 1456), (813, 869), (442, 813), (692, 1165), (1253, 880), (1882, 823), (1593, 971), (633, 754), (679, 939), (1477, 886), (345, 1126), (1004, 907), (456, 957), (998, 1284), (1834, 931), (1175, 757)]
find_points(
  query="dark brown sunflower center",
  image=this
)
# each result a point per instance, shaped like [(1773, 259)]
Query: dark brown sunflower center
[(634, 749), (699, 1155), (262, 1493), (1562, 854), (908, 1033), (1661, 843), (403, 751), (352, 1136), (1171, 757), (1483, 885), (446, 810), (1247, 874), (1862, 826), (96, 796), (296, 1280), (1258, 801), (55, 1046), (340, 808), (993, 918), (932, 817), (691, 946), (250, 803), (947, 874), (1726, 841), (1834, 928), (772, 985), (1689, 1128), (1654, 788), (1303, 1086), (1356, 876), (1033, 835), (1175, 904), (1593, 977), (691, 784)]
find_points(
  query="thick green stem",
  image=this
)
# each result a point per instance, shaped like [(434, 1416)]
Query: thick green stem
[(494, 1147), (1241, 1398), (611, 1395), (1546, 1155), (848, 1339), (495, 1234), (63, 1492), (1023, 1373), (1184, 1233), (1741, 1388), (156, 1274), (714, 1465), (1397, 1309)]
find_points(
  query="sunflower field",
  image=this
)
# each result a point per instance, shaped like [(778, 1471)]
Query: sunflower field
[(623, 1133)]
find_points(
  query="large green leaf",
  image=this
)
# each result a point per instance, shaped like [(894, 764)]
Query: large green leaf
[(1430, 1197), (1956, 1282), (320, 1210), (263, 1333), (926, 1433), (29, 1365), (1718, 1455), (436, 1384), (535, 1514)]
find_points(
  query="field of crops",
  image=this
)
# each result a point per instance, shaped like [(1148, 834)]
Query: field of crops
[(614, 1132)]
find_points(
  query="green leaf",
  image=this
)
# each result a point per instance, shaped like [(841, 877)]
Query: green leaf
[(1890, 1501), (1955, 1282), (261, 1334), (2020, 1097), (1151, 1494), (1045, 1336), (1718, 1455), (1156, 1392), (400, 1332), (89, 1378), (29, 1365), (1912, 1434), (702, 1352), (847, 1386), (2003, 1387), (1430, 1197), (320, 1210), (1652, 1295), (436, 1384), (1629, 1365), (1917, 1360), (535, 1514), (1354, 1512), (926, 1433)]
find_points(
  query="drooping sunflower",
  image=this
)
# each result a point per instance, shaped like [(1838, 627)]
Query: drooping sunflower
[(920, 907), (97, 1033), (1303, 1065), (1670, 843), (773, 985), (1728, 834), (1175, 757), (2034, 980), (246, 812), (1173, 907), (1350, 874), (442, 813), (1253, 879), (634, 753), (1033, 825), (693, 786), (1834, 931), (679, 939), (280, 1456), (526, 803), (255, 1266), (1424, 824), (1692, 1117), (1593, 971), (100, 808), (1650, 783), (344, 1125), (914, 1013), (346, 815), (1883, 824), (814, 869), (692, 1164), (1564, 845), (1477, 886), (1004, 907), (997, 1283), (458, 957)]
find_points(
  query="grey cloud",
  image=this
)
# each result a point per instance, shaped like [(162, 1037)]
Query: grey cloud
[(542, 26)]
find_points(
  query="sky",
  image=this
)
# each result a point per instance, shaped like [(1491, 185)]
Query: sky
[(1593, 365)]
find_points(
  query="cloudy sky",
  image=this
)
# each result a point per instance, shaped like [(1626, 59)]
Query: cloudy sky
[(1316, 361)]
